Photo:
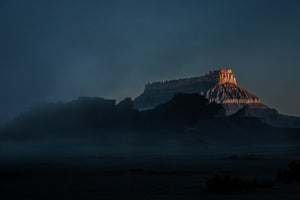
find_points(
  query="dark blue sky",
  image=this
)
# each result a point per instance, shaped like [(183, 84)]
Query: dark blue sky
[(59, 49)]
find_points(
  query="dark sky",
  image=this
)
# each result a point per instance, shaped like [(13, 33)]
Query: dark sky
[(61, 49)]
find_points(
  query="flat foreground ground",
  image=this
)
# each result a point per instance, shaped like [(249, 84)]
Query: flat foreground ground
[(139, 177)]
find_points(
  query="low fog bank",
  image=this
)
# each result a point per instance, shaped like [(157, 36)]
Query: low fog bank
[(144, 145), (187, 125)]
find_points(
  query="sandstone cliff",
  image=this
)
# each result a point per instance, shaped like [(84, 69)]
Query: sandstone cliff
[(218, 86)]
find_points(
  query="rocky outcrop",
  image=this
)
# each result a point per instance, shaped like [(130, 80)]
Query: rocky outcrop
[(218, 86), (230, 93)]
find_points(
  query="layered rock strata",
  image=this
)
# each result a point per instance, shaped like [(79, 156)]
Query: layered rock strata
[(218, 86)]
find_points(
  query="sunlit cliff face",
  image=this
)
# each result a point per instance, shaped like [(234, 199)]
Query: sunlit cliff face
[(225, 76)]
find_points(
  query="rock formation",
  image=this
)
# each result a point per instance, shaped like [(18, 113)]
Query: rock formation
[(218, 86)]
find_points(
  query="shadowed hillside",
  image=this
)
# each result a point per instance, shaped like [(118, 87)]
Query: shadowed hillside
[(186, 116)]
